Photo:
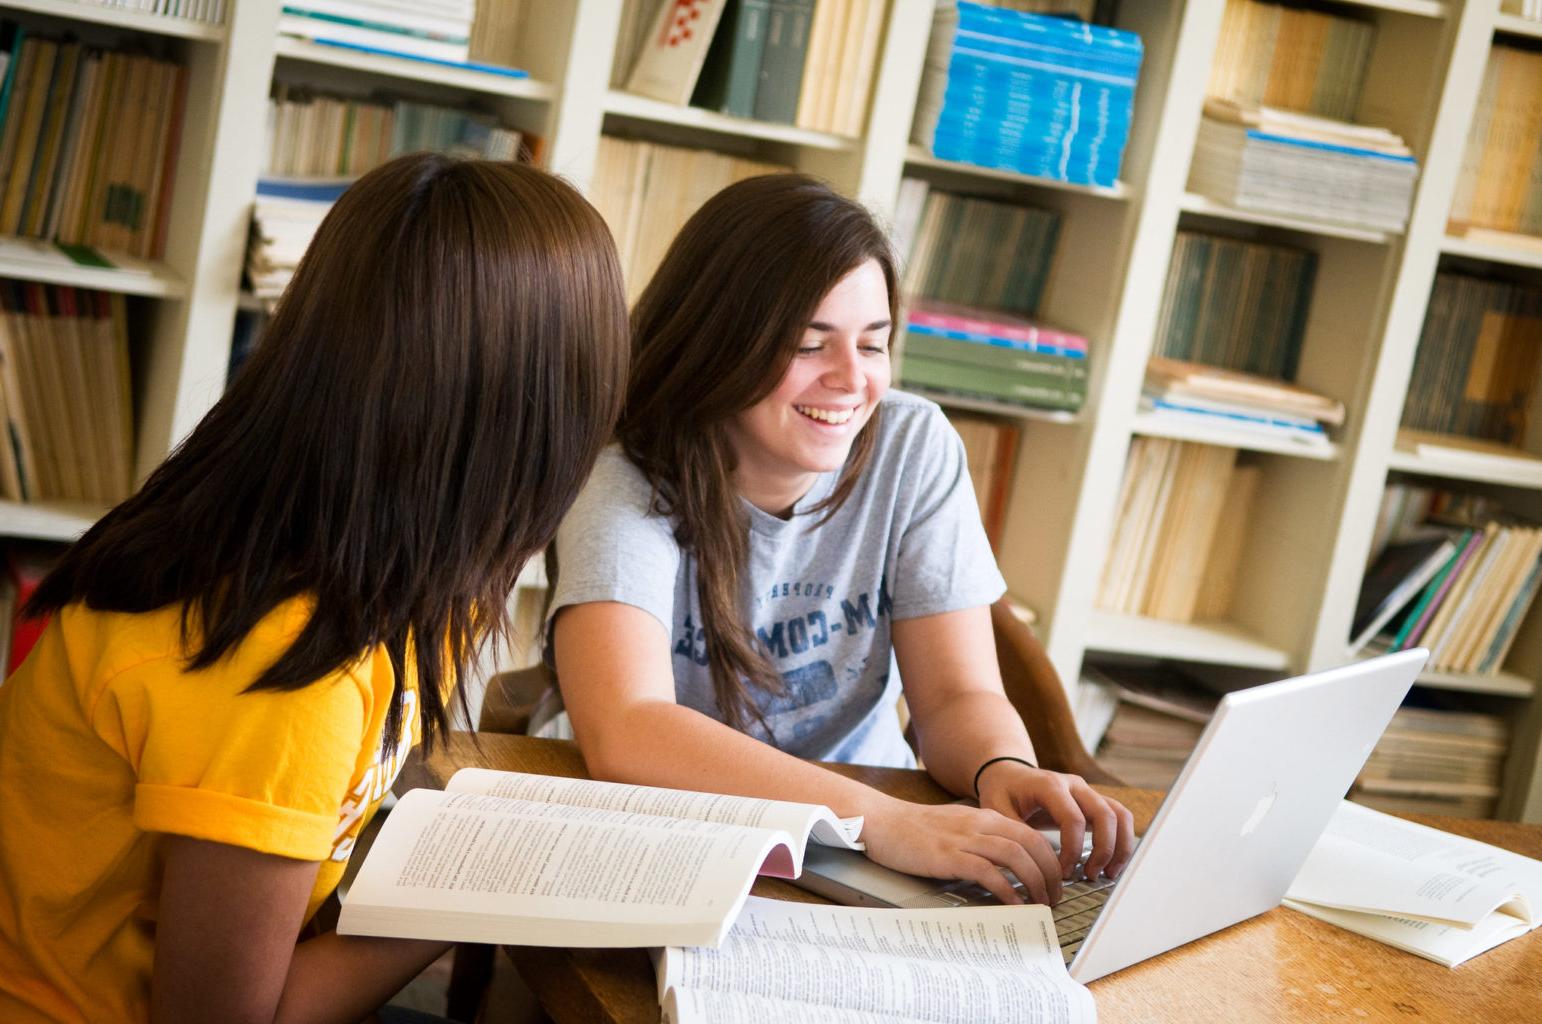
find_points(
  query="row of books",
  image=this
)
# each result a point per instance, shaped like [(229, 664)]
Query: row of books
[(990, 451), (1497, 187), (1299, 165), (972, 251), (88, 142), (1234, 304), (1145, 717), (1405, 507), (1479, 356), (789, 61), (1178, 531), (985, 354), (646, 191), (1460, 591), (64, 395), (1045, 96), (313, 135), (210, 12), (1436, 761), (1290, 57), (436, 29), (1192, 394)]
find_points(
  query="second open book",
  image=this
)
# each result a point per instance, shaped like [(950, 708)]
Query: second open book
[(533, 860)]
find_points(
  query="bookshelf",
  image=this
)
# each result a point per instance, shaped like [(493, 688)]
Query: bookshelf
[(1308, 538)]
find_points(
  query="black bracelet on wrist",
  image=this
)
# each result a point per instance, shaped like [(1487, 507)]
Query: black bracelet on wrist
[(1005, 757)]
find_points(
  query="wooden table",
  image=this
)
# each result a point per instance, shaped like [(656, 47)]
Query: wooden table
[(1280, 966)]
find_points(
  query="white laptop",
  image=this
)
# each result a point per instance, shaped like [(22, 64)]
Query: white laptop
[(1265, 777)]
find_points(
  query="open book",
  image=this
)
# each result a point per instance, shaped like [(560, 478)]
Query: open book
[(801, 962), (534, 860), (1445, 897)]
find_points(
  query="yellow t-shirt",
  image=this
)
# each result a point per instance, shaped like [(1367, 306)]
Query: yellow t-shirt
[(107, 741)]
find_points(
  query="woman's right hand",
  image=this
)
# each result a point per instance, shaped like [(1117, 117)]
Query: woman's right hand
[(970, 843)]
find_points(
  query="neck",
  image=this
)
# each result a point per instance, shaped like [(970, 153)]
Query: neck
[(775, 496)]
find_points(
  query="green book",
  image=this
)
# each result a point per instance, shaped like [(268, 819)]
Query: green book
[(1431, 589), (731, 74), (781, 63), (1018, 388), (999, 357)]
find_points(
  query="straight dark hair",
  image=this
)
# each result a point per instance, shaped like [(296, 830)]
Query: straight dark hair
[(714, 333), (433, 389)]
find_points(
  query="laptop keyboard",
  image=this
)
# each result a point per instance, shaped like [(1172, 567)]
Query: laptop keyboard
[(1080, 904)]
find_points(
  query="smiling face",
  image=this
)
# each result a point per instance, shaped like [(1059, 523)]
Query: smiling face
[(806, 426)]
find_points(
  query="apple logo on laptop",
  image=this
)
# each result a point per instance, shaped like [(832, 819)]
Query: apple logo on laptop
[(1256, 818)]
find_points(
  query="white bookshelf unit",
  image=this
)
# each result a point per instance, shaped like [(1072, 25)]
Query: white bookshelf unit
[(1308, 539)]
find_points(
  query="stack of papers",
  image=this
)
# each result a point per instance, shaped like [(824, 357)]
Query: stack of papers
[(1028, 93), (1276, 161), (284, 220), (1202, 396)]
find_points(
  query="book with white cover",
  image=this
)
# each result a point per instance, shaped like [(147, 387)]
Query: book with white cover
[(1444, 897), (800, 962), (532, 860)]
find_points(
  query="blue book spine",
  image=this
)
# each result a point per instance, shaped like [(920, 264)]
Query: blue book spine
[(1015, 344)]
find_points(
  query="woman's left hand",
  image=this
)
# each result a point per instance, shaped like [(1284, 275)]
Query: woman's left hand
[(1039, 797)]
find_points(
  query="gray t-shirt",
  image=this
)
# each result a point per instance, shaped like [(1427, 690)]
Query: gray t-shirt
[(906, 543)]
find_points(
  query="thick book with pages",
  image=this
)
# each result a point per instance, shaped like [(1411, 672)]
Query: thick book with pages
[(1444, 897), (533, 860), (801, 963)]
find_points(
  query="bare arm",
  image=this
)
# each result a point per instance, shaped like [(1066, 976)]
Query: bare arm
[(963, 719), (613, 662), (225, 944)]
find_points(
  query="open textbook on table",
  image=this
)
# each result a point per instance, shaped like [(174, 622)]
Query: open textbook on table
[(801, 963), (533, 860), (1442, 896)]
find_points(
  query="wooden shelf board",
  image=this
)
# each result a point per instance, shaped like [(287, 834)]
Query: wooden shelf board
[(1218, 643), (1408, 462), (1422, 8), (1203, 205), (52, 520), (917, 156), (1148, 425), (26, 259), (1503, 684), (155, 24), (1514, 256), (641, 108), (413, 70), (1020, 412), (1516, 25)]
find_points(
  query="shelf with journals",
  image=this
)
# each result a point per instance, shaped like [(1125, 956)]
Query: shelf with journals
[(1220, 643), (1418, 8), (697, 122), (51, 520), (970, 403), (1503, 248), (31, 259), (1203, 207), (917, 159), (107, 14), (406, 69), (1515, 25), (1498, 684), (1452, 465)]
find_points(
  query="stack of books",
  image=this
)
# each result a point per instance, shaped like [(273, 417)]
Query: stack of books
[(317, 136), (1157, 715), (646, 191), (1299, 165), (1235, 305), (1478, 359), (1205, 397), (64, 395), (1436, 761), (990, 448), (1036, 95), (434, 29), (1290, 58), (974, 252), (788, 61), (88, 142), (284, 220), (1496, 195), (1178, 531), (981, 353)]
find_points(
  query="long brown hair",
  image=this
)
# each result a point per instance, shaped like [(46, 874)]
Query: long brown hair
[(713, 333), (432, 391)]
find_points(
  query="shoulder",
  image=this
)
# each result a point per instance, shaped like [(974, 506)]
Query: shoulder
[(911, 429), (616, 491)]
